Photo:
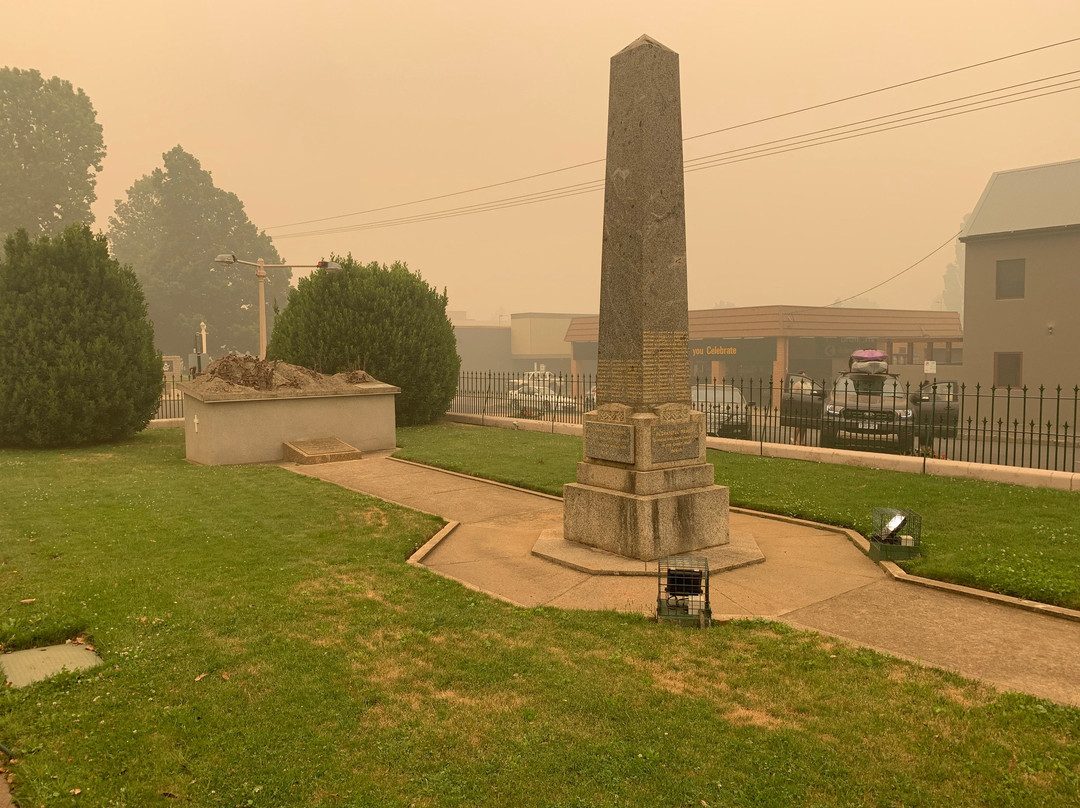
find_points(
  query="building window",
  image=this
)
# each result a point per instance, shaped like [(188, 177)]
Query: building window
[(1007, 368), (1010, 279)]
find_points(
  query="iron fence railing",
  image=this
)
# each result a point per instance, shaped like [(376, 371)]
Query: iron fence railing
[(1029, 427), (172, 400)]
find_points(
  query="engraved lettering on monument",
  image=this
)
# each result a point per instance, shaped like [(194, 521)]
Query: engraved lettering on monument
[(672, 442), (618, 380), (665, 372), (608, 441)]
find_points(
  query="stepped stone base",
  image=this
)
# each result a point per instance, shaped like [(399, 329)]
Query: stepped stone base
[(646, 526)]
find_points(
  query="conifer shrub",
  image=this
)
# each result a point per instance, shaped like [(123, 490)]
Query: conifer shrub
[(77, 358), (384, 320)]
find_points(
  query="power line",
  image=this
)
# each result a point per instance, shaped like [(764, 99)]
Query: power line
[(692, 137), (743, 154), (847, 126), (884, 89), (870, 131), (440, 196), (941, 246)]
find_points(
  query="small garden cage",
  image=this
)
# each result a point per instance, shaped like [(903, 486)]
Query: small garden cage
[(682, 590), (897, 534)]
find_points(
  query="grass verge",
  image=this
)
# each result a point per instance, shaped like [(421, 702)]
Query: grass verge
[(1002, 538), (266, 645)]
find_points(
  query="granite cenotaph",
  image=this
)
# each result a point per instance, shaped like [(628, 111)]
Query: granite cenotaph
[(644, 489)]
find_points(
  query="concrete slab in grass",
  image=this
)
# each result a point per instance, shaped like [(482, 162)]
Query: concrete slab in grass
[(23, 668)]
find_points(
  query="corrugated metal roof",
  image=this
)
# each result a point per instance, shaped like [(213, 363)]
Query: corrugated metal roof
[(802, 321), (1034, 198)]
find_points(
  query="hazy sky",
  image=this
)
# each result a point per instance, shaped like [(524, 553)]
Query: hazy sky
[(319, 108)]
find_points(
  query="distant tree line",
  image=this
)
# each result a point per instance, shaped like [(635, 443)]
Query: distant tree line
[(80, 328)]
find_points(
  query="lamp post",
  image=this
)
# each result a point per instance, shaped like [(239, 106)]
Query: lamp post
[(260, 273)]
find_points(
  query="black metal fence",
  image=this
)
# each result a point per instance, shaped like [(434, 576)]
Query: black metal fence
[(1029, 427), (172, 400)]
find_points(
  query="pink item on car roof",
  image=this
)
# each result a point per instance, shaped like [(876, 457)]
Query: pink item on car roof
[(869, 356)]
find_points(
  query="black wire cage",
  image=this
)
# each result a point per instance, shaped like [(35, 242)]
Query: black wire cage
[(682, 590), (896, 535)]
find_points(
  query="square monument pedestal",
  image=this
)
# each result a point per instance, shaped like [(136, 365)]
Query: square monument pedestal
[(644, 490), (646, 527)]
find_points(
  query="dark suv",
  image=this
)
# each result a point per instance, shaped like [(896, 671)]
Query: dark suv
[(938, 409), (868, 411)]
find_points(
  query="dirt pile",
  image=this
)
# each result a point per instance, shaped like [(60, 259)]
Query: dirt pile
[(238, 374)]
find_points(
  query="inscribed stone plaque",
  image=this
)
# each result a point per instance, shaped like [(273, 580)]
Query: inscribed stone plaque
[(675, 442), (609, 442), (319, 450), (317, 446)]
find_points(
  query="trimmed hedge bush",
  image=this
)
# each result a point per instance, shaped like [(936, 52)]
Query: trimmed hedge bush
[(385, 320), (77, 357)]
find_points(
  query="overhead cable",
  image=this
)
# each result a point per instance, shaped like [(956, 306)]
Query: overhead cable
[(744, 154), (691, 137)]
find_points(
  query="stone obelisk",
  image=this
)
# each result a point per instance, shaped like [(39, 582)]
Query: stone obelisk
[(644, 489)]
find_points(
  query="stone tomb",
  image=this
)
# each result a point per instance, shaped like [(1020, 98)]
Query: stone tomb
[(246, 410)]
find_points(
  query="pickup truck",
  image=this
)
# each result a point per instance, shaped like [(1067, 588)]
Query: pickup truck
[(868, 411)]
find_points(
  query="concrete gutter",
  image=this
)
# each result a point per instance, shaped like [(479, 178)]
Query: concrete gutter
[(1012, 475), (895, 572)]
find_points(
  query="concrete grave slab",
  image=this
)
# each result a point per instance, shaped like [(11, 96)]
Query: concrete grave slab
[(23, 668)]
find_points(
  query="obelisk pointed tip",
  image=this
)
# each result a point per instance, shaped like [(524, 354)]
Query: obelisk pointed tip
[(644, 39)]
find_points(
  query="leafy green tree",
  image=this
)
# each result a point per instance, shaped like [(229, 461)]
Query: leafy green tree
[(50, 152), (77, 357), (385, 320), (172, 225)]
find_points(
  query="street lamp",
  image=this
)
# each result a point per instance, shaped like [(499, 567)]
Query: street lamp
[(260, 273)]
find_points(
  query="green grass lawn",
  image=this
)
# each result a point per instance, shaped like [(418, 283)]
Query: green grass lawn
[(266, 644), (1003, 538)]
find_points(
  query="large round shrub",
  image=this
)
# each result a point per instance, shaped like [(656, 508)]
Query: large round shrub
[(77, 357), (385, 320)]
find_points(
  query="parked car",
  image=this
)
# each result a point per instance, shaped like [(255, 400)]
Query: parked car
[(532, 398), (937, 409), (801, 402), (726, 412), (868, 411)]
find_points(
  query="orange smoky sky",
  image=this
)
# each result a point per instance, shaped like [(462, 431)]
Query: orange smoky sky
[(320, 109)]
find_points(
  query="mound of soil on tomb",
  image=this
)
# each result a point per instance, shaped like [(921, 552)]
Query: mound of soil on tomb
[(239, 374)]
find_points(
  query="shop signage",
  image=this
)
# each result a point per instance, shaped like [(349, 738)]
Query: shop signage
[(714, 350)]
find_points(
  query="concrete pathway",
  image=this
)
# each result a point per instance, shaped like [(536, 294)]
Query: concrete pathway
[(813, 577)]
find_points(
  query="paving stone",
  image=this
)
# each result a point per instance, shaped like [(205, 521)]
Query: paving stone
[(23, 668)]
